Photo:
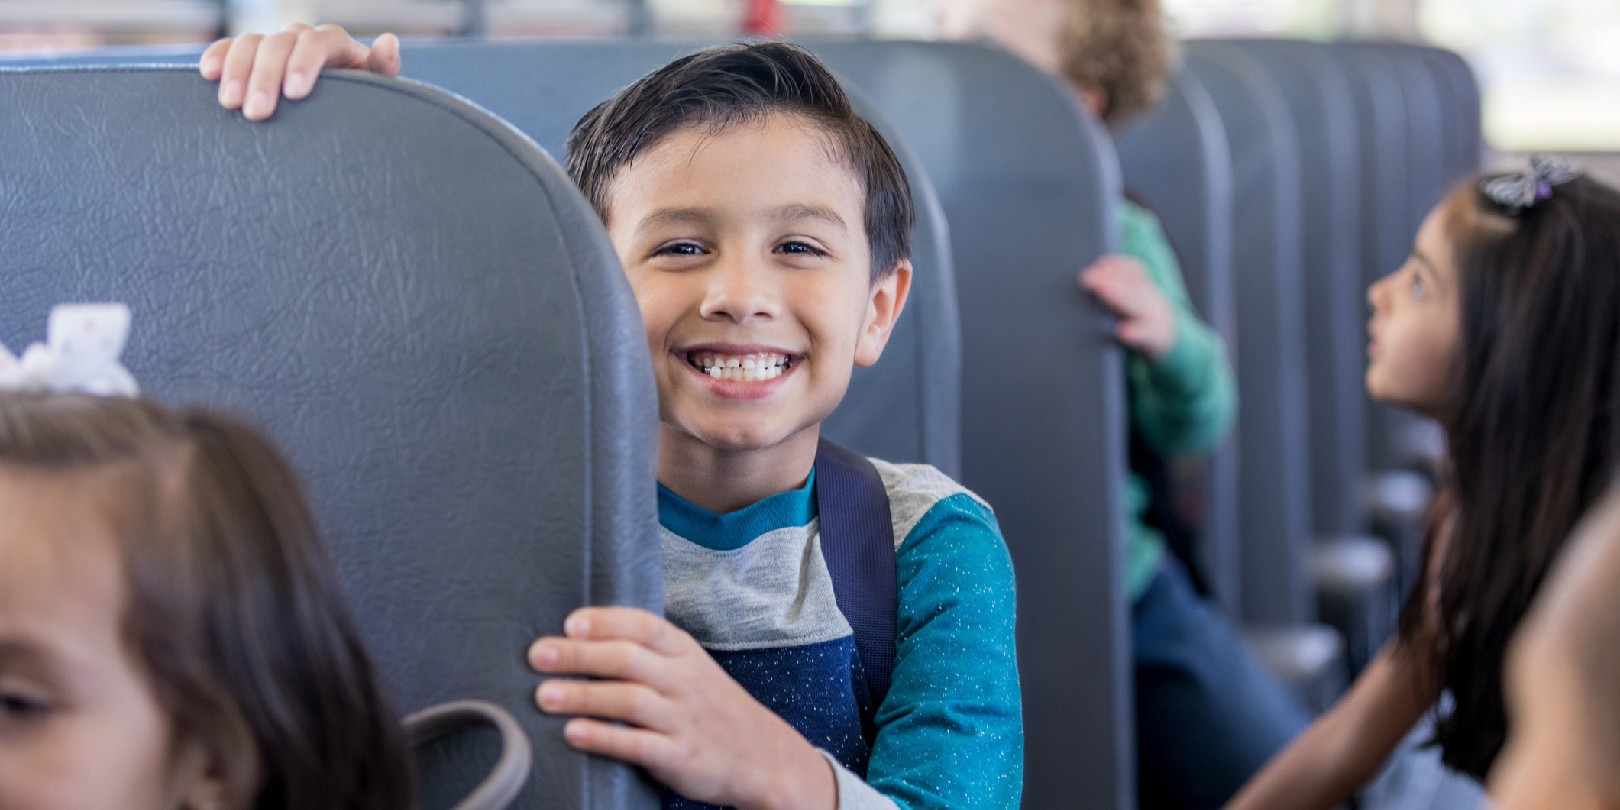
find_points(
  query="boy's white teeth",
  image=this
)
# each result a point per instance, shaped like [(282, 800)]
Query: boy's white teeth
[(740, 368)]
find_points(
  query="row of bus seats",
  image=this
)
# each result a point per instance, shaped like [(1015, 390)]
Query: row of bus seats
[(1300, 173), (338, 320)]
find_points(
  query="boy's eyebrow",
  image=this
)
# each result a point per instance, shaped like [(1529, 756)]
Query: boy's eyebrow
[(799, 212), (792, 212), (675, 216)]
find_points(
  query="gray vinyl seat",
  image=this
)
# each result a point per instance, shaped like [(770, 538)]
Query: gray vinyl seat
[(1180, 154), (1030, 185), (1463, 118), (1225, 103), (907, 408), (1317, 93), (1429, 127), (1387, 119), (1275, 518), (432, 325), (1402, 447), (1354, 576), (1176, 160)]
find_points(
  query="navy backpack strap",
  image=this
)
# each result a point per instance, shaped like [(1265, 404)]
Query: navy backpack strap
[(857, 541)]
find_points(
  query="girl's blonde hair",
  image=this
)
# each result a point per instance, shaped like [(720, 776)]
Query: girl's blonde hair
[(1123, 47)]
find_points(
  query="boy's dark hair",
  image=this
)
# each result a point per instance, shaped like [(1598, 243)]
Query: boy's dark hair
[(1533, 422), (741, 84), (232, 610)]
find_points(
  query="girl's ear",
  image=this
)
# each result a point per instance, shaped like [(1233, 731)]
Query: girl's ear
[(883, 308), (203, 780)]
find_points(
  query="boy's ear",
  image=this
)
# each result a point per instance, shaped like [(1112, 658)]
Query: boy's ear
[(883, 307)]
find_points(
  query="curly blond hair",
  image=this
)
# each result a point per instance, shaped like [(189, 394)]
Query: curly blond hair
[(1122, 47)]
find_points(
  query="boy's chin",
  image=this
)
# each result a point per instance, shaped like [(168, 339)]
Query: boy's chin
[(732, 438)]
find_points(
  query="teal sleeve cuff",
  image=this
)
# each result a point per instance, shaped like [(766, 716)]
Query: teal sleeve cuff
[(1194, 358)]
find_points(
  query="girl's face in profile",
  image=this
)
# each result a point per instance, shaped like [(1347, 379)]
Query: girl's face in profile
[(79, 725), (1417, 313)]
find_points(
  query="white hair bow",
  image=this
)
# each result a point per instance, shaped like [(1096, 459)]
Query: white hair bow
[(80, 355)]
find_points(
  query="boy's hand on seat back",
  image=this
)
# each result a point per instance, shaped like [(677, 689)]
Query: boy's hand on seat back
[(1146, 321), (691, 726), (255, 70)]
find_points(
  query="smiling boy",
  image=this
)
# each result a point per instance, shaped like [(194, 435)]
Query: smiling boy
[(764, 230)]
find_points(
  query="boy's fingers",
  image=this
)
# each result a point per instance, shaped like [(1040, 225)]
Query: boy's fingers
[(628, 624), (212, 61), (339, 49), (234, 71), (314, 50), (1105, 272), (1110, 292), (618, 660), (608, 700), (269, 65), (632, 745), (1097, 280), (384, 56), (1130, 332)]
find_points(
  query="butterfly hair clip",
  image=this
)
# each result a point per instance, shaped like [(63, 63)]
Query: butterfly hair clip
[(1523, 191)]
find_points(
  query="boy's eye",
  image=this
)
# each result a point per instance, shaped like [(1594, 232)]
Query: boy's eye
[(679, 249), (800, 248), (1419, 288)]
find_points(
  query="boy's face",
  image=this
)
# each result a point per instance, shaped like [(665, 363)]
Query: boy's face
[(748, 255)]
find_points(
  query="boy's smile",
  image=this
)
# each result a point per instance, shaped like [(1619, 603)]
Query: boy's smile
[(748, 254), (741, 372)]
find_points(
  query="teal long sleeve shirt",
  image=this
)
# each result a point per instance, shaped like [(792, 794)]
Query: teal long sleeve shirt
[(1183, 404)]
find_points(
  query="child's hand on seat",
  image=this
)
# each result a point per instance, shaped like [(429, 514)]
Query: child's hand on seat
[(687, 722), (1146, 321), (254, 70)]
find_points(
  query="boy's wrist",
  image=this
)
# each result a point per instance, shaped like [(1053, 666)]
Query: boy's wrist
[(800, 779)]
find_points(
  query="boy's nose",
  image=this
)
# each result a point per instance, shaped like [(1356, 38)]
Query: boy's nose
[(739, 290)]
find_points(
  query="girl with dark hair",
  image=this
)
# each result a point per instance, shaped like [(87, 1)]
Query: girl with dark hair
[(172, 634), (1503, 325)]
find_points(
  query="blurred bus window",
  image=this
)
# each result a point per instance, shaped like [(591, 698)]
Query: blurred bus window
[(1550, 68), (1283, 18), (60, 26), (798, 17)]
